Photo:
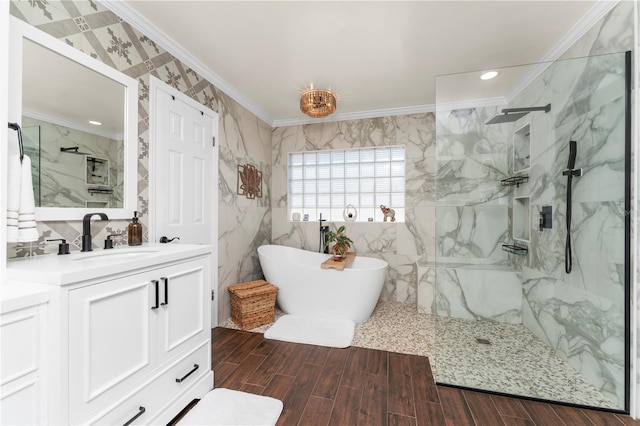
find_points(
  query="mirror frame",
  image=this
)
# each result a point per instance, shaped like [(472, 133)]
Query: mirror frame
[(20, 30)]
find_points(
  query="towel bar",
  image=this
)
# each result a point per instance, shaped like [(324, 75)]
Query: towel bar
[(16, 127)]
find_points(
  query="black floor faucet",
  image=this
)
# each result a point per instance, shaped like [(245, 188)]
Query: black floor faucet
[(323, 236)]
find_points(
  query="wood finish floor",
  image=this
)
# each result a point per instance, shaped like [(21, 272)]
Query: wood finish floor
[(358, 386)]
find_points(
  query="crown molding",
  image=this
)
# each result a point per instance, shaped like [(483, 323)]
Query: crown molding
[(140, 23), (473, 103), (72, 125), (587, 22), (358, 115)]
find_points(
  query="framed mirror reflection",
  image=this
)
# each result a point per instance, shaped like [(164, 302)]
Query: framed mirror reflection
[(79, 118)]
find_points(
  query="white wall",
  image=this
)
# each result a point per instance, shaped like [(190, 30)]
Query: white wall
[(4, 58)]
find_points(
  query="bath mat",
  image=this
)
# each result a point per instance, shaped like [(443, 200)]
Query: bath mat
[(229, 407), (333, 333)]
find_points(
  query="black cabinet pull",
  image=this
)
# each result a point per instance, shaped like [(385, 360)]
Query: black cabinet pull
[(157, 305), (195, 367), (166, 290), (140, 412)]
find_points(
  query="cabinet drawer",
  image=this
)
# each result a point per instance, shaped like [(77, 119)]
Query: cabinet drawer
[(156, 395), (20, 341)]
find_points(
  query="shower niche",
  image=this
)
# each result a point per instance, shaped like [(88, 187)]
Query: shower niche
[(521, 219), (522, 148)]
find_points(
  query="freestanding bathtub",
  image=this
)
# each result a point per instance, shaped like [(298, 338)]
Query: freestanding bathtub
[(306, 289)]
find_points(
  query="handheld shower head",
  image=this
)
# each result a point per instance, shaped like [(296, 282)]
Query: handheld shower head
[(571, 164)]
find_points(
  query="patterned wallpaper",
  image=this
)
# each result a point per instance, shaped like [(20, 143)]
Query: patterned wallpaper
[(243, 138)]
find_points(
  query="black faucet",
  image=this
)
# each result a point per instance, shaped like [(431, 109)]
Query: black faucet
[(323, 236), (86, 229)]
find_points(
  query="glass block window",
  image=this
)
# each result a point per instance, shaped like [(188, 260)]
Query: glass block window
[(327, 181)]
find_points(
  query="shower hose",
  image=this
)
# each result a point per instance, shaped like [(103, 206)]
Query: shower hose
[(570, 172), (568, 263)]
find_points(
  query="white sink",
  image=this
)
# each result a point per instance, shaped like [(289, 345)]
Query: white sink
[(114, 254)]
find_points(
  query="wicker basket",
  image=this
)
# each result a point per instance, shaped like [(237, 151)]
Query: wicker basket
[(253, 303)]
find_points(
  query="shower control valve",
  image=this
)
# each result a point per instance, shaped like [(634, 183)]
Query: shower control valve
[(546, 221)]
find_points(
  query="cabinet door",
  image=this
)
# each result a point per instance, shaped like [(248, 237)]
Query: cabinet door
[(184, 306), (111, 340), (22, 392)]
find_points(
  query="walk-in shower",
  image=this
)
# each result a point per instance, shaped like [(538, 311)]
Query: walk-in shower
[(554, 335)]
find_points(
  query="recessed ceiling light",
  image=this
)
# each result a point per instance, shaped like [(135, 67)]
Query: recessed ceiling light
[(489, 75), (95, 123)]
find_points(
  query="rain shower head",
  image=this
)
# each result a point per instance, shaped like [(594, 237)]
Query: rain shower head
[(512, 114)]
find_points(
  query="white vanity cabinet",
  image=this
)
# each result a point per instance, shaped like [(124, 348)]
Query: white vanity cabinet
[(121, 330), (23, 333), (133, 345)]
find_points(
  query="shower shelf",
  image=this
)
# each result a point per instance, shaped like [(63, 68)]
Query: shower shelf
[(515, 180), (100, 190), (515, 249)]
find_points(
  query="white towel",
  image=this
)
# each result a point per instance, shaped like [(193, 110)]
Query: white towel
[(229, 407), (20, 202), (13, 197)]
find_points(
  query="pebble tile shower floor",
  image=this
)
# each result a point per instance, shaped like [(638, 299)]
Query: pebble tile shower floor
[(515, 362)]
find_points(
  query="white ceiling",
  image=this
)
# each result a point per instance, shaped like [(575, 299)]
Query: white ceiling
[(57, 98), (379, 57)]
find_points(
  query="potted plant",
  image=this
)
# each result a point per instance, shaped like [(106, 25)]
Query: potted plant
[(341, 242)]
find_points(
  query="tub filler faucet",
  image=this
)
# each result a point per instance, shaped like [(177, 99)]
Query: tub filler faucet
[(323, 236)]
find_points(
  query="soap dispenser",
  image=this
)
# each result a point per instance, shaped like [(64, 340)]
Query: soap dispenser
[(135, 231)]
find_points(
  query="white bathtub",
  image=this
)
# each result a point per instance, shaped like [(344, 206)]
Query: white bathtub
[(308, 290)]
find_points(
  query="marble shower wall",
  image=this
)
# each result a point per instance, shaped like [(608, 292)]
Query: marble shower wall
[(243, 138), (63, 178), (581, 314), (400, 244), (470, 276)]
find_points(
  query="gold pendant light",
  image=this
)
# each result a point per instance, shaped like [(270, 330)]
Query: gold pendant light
[(317, 103)]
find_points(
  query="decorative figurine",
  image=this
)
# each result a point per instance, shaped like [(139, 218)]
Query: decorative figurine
[(388, 213), (350, 213)]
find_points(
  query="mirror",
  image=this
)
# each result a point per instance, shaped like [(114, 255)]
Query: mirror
[(56, 92)]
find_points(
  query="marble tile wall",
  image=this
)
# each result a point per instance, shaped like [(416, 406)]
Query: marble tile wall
[(243, 138), (400, 244), (63, 175), (581, 314), (470, 267)]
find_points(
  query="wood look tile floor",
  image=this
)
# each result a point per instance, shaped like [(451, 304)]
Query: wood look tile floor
[(360, 386)]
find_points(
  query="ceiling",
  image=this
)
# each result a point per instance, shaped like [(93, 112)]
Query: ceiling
[(56, 99), (379, 57)]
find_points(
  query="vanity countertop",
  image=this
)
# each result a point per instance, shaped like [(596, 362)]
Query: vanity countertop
[(14, 296), (83, 266)]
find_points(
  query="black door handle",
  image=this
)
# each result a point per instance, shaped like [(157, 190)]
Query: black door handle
[(165, 240), (157, 305), (166, 291)]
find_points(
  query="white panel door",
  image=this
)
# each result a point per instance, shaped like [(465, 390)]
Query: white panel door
[(184, 171)]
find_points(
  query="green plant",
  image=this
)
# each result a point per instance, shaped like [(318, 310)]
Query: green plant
[(340, 240)]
